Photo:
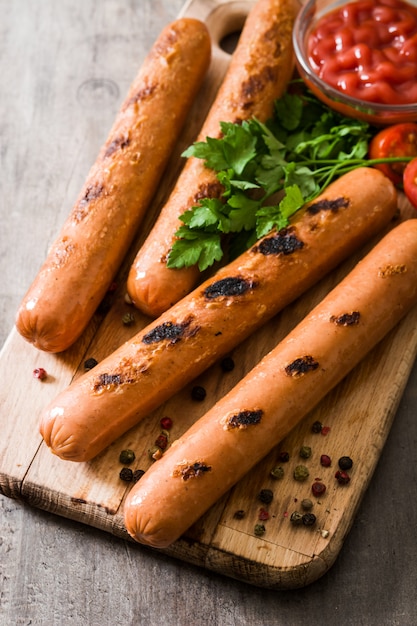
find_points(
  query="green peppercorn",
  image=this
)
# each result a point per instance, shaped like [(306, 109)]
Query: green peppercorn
[(128, 319), (259, 530), (305, 452), (309, 519), (296, 518), (266, 496), (127, 457), (307, 504), (126, 474), (277, 472), (301, 473)]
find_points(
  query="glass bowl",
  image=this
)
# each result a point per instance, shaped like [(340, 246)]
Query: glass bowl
[(378, 114)]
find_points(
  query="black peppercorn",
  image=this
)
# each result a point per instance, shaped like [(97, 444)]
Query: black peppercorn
[(240, 514), (309, 519), (316, 427), (266, 496), (283, 457), (126, 474), (137, 475), (345, 463), (90, 363), (198, 393), (227, 364)]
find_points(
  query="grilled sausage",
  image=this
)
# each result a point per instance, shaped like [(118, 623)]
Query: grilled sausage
[(223, 445), (83, 260), (162, 358), (259, 72)]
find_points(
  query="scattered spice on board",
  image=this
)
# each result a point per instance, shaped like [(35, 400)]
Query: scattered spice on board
[(307, 504), (137, 475), (266, 496), (301, 473), (277, 472), (126, 457), (345, 463), (309, 519), (342, 477), (240, 514), (325, 460), (227, 364), (126, 474), (128, 319), (296, 518), (90, 363), (283, 457), (325, 430), (318, 489), (316, 427), (259, 530), (263, 514), (305, 452), (198, 393), (166, 423), (40, 373)]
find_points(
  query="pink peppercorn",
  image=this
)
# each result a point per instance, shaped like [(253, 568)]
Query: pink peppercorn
[(40, 373), (318, 489), (342, 477), (325, 460), (166, 423), (263, 514)]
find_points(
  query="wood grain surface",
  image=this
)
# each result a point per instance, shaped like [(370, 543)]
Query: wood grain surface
[(53, 568)]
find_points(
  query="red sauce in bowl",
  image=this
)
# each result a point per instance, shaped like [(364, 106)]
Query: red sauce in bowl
[(368, 50)]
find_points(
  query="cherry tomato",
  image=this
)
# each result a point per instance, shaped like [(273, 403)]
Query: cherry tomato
[(410, 182), (394, 141)]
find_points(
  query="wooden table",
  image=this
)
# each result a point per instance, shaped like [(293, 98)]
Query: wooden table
[(65, 68)]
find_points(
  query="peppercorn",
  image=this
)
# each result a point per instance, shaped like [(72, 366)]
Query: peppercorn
[(227, 364), (296, 518), (305, 452), (127, 457), (166, 423), (40, 373), (240, 514), (345, 463), (325, 460), (306, 504), (284, 457), (155, 453), (277, 472), (90, 363), (126, 474), (128, 319), (161, 441), (309, 519), (198, 393), (259, 530), (342, 477), (325, 430), (301, 473), (137, 475), (266, 496), (263, 514), (318, 489), (316, 427)]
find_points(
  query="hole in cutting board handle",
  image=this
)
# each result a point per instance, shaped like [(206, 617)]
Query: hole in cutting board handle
[(225, 24)]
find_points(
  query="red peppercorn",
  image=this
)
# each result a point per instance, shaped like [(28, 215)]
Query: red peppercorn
[(325, 460), (40, 373), (166, 423), (161, 441), (342, 477), (263, 514), (325, 430), (318, 489)]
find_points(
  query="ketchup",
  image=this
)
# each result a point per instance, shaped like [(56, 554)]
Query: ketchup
[(367, 49)]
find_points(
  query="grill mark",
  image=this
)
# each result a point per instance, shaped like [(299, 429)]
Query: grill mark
[(285, 242), (328, 205), (230, 286), (301, 366), (168, 331), (346, 319), (243, 419)]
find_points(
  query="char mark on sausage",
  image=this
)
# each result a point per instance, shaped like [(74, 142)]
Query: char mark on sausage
[(192, 470), (168, 331), (285, 241), (230, 286), (328, 205), (346, 319), (117, 144), (243, 419), (301, 366)]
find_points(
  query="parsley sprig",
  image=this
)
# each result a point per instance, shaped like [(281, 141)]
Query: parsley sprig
[(268, 172)]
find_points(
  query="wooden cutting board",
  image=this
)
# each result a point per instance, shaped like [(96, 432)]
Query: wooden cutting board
[(357, 417)]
